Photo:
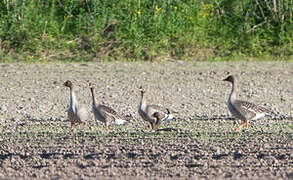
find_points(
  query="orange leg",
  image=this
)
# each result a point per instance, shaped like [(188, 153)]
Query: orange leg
[(246, 125), (157, 125), (239, 127), (72, 125), (107, 128), (84, 126)]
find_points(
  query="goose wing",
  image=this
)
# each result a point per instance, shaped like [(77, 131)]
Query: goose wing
[(250, 110), (107, 111), (161, 110)]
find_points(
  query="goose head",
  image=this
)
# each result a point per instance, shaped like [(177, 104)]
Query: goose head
[(91, 85), (142, 90), (230, 78), (68, 84)]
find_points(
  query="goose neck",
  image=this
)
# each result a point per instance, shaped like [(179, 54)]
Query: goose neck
[(143, 100), (73, 100), (234, 92), (93, 96)]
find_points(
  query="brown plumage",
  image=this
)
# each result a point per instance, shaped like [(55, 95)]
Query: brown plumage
[(158, 116)]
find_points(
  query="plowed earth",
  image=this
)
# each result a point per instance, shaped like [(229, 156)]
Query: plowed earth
[(36, 139)]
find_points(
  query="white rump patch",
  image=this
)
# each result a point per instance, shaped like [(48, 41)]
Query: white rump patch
[(167, 117), (120, 121), (258, 116)]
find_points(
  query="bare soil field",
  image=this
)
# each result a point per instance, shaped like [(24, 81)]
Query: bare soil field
[(36, 140)]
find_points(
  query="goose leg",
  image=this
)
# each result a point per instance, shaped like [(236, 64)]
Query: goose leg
[(72, 125), (246, 125), (240, 127), (151, 125), (107, 125), (107, 128), (84, 126), (156, 127)]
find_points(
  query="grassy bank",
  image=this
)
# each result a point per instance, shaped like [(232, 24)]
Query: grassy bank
[(34, 30)]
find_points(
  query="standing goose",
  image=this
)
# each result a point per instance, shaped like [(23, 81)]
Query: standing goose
[(147, 111), (103, 113), (76, 113), (243, 110)]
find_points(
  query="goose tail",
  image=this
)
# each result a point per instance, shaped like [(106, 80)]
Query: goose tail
[(168, 116)]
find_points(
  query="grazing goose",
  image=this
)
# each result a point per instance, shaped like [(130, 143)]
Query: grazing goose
[(147, 111), (243, 110), (103, 113), (76, 113)]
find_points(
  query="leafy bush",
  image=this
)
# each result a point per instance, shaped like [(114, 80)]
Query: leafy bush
[(144, 30)]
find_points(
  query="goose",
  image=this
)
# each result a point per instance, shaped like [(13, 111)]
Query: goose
[(243, 110), (104, 113), (146, 111), (76, 112)]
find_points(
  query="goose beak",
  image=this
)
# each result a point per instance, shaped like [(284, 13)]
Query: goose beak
[(226, 79)]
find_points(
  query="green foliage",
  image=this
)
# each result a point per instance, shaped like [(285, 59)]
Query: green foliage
[(144, 30)]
